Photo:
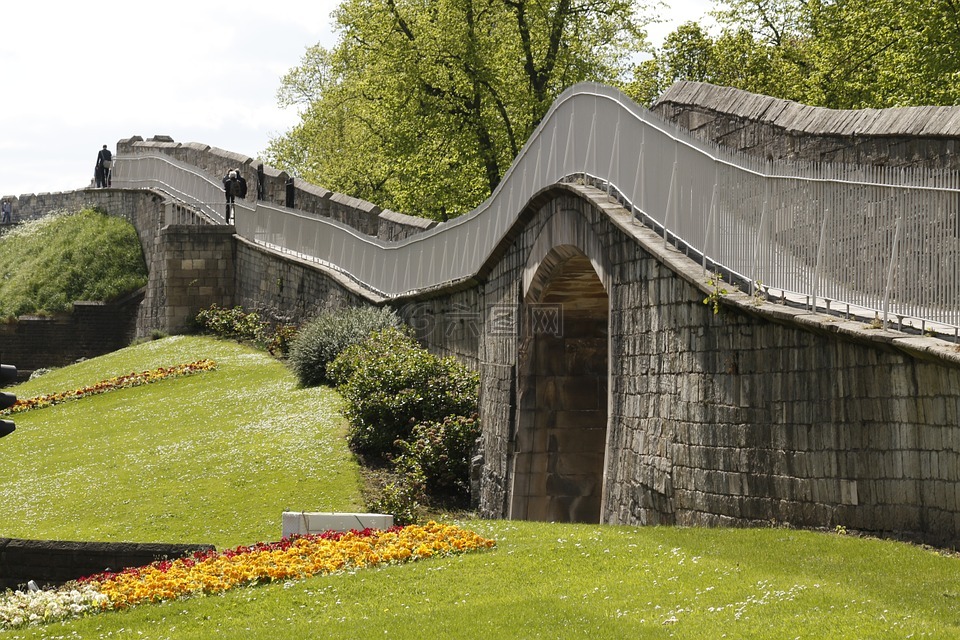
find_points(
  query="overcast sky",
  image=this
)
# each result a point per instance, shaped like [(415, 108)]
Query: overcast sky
[(78, 75)]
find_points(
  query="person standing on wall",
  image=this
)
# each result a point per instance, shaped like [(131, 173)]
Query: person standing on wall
[(228, 190), (104, 164), (241, 185), (234, 186)]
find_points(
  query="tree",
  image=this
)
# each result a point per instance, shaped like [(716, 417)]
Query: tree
[(422, 106), (847, 54)]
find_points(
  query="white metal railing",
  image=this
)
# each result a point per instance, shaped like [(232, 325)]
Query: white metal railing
[(884, 240)]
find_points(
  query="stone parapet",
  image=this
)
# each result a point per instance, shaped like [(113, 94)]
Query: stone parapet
[(773, 128)]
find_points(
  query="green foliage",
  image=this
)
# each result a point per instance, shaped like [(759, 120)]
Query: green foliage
[(246, 326), (717, 291), (440, 453), (421, 106), (402, 498), (233, 324), (323, 338), (281, 339), (48, 264), (391, 383), (842, 55)]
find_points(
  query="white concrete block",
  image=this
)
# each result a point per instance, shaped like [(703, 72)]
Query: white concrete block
[(304, 523)]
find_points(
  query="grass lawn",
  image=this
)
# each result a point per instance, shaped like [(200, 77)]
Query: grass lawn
[(579, 581), (217, 456)]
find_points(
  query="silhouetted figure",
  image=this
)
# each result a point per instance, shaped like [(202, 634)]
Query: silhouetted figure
[(234, 186), (104, 166)]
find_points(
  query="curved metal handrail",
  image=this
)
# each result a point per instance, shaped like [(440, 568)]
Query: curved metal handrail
[(883, 239)]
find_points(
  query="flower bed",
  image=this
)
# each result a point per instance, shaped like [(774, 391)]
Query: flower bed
[(294, 557), (112, 384)]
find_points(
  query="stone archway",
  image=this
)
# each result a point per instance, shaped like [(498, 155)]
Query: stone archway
[(562, 389)]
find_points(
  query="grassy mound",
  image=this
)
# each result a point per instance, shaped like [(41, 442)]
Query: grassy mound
[(48, 264)]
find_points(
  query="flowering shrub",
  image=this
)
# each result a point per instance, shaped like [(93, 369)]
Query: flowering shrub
[(403, 497), (112, 384), (247, 326), (282, 338), (233, 323)]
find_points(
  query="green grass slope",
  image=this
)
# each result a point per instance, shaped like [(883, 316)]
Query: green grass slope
[(582, 581), (48, 264), (215, 457)]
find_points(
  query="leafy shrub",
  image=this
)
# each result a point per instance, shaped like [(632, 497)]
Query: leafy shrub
[(323, 338), (401, 499), (281, 339), (234, 324), (441, 452), (244, 326), (391, 383)]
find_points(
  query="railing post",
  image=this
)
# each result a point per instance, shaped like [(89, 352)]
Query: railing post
[(670, 198), (894, 254), (713, 210), (756, 242), (639, 184), (816, 268), (614, 154)]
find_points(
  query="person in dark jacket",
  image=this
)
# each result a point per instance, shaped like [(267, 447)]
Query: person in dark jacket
[(104, 165), (230, 190)]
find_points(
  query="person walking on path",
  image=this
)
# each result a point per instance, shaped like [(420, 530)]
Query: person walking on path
[(104, 163), (234, 186)]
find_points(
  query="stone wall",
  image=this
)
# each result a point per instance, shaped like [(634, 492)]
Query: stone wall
[(52, 563), (192, 267), (760, 414), (288, 288), (397, 226), (773, 128), (92, 329), (146, 210)]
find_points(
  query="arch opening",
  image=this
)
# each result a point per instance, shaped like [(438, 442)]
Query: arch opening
[(562, 393)]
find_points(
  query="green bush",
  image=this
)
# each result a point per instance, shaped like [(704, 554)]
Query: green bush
[(401, 499), (391, 383), (323, 338), (247, 326), (441, 452), (233, 324)]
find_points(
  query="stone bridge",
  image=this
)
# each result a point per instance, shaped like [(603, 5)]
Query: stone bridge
[(667, 331)]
